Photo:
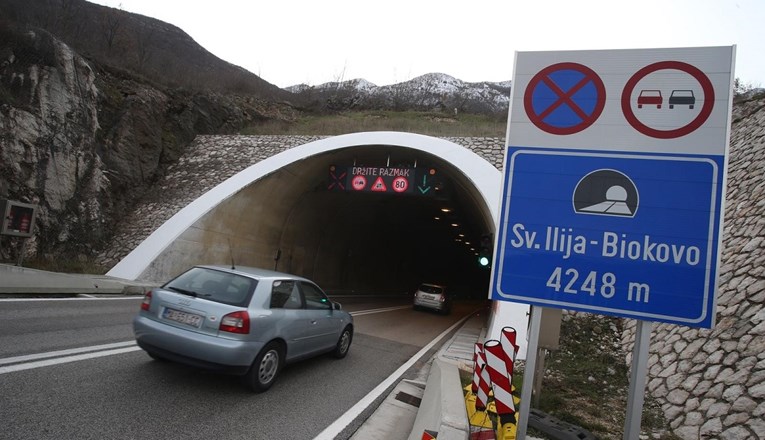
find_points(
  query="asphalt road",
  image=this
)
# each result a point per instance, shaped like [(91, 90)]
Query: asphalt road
[(95, 391)]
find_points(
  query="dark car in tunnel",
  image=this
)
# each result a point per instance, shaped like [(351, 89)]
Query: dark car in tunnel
[(243, 321)]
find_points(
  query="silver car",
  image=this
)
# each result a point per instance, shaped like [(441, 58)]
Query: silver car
[(244, 321), (434, 297)]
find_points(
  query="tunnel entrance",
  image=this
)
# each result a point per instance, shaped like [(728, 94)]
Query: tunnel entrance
[(375, 241), (283, 214)]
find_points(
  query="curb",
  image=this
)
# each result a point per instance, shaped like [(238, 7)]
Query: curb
[(443, 405), (26, 281)]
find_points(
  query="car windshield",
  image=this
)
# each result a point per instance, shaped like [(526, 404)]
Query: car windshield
[(427, 288), (214, 285)]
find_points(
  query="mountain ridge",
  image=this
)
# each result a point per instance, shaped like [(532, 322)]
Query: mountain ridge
[(431, 91)]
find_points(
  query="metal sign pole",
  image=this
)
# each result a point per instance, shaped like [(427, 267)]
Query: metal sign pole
[(22, 252), (535, 321), (638, 375)]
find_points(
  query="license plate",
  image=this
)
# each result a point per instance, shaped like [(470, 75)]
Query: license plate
[(182, 317)]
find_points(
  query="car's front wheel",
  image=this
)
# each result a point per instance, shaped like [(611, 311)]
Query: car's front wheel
[(266, 368), (344, 343)]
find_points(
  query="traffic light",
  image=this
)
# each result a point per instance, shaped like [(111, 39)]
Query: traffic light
[(486, 250)]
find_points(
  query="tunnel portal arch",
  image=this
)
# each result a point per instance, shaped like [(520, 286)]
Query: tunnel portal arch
[(153, 260)]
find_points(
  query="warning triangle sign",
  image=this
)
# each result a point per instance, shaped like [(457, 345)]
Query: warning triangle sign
[(379, 185)]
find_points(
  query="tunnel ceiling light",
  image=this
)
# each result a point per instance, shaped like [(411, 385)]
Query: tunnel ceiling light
[(462, 235), (446, 210), (436, 218), (455, 224)]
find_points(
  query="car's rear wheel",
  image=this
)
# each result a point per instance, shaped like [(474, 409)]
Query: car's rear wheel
[(344, 343), (266, 367)]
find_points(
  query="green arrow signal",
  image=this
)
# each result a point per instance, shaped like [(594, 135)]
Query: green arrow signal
[(424, 189)]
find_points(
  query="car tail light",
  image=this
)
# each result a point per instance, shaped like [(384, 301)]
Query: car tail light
[(235, 322), (146, 303), (442, 298)]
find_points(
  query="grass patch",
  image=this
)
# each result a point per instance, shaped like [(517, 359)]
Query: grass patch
[(586, 380), (427, 123)]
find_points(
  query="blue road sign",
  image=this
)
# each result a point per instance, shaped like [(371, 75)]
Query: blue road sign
[(626, 234), (564, 98)]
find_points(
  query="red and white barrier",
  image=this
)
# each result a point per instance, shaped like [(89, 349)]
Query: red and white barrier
[(500, 382), (484, 384), (510, 348), (476, 368)]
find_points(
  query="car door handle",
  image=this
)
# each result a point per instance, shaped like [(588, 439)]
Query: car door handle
[(313, 322)]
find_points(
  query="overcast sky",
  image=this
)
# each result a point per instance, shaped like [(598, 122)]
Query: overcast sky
[(288, 42)]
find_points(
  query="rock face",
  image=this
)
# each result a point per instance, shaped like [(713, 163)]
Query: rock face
[(48, 123), (84, 142)]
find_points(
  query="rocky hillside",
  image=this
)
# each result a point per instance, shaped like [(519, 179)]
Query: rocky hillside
[(84, 139), (150, 48)]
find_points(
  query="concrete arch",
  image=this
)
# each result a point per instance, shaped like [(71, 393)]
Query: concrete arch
[(483, 176)]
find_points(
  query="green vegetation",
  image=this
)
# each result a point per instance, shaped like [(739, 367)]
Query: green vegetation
[(427, 123)]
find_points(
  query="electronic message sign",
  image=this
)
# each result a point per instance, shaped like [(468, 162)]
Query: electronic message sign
[(396, 180)]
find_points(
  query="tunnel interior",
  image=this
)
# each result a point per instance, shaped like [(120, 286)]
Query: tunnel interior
[(295, 220)]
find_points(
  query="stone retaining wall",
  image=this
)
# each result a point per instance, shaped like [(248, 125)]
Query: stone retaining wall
[(711, 383)]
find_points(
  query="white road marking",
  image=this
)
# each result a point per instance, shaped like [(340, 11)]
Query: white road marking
[(371, 311), (64, 360), (57, 353), (93, 298)]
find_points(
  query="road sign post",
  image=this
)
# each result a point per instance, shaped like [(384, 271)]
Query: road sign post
[(614, 185)]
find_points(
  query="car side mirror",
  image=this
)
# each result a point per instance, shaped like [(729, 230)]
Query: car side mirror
[(337, 306)]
